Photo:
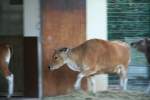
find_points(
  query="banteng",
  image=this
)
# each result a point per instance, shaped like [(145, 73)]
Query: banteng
[(143, 46), (94, 56)]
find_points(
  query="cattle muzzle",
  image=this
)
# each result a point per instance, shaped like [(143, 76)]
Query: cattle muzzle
[(50, 67)]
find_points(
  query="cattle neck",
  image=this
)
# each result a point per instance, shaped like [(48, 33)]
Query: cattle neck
[(71, 62)]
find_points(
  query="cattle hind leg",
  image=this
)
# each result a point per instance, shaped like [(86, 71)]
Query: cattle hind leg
[(123, 77), (93, 83), (10, 80), (123, 83)]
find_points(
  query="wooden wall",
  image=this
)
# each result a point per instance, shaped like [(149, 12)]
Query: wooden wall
[(63, 25)]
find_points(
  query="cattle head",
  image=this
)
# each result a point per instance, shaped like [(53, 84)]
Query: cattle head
[(58, 58), (141, 45)]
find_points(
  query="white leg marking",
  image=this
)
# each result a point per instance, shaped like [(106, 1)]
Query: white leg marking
[(7, 58), (125, 84), (121, 82), (10, 80), (77, 84), (93, 85), (123, 76)]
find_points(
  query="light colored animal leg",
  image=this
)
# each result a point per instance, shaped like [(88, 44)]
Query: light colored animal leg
[(80, 76), (125, 84), (10, 80), (93, 82), (121, 82), (77, 85), (123, 77)]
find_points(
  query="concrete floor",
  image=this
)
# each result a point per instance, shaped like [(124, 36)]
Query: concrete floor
[(18, 98)]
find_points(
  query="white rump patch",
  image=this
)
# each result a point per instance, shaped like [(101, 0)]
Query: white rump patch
[(7, 58)]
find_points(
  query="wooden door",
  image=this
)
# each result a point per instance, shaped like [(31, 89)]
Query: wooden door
[(63, 25), (30, 67)]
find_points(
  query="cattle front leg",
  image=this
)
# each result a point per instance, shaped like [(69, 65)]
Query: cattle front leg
[(80, 76), (123, 77), (10, 80), (77, 84)]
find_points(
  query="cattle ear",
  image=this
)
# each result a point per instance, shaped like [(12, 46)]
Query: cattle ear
[(66, 50)]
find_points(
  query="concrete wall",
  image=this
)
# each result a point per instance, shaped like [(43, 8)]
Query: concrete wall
[(96, 27), (20, 20), (96, 19), (31, 18)]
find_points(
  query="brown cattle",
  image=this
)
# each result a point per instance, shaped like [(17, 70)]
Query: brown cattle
[(143, 46), (5, 55), (94, 57)]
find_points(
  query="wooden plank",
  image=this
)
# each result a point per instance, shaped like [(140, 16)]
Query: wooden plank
[(63, 25)]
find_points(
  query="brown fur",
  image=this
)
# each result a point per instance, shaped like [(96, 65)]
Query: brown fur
[(95, 57), (143, 46), (101, 56), (4, 49)]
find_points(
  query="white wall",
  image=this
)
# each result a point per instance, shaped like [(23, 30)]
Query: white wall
[(96, 27), (31, 17), (96, 19)]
